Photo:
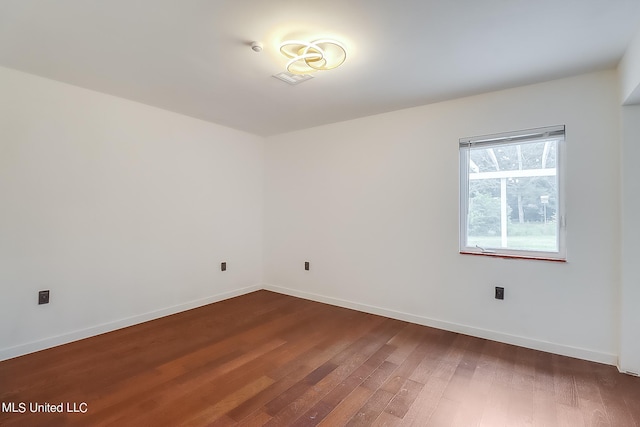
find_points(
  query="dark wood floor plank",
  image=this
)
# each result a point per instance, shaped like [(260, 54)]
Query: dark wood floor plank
[(566, 391), (208, 414), (506, 358), (426, 402), (372, 408), (335, 395), (520, 407), (270, 359), (407, 366), (379, 376), (344, 411), (444, 415), (617, 410), (405, 342), (387, 420), (632, 400), (569, 416), (308, 409), (192, 395), (473, 400), (350, 356), (448, 363), (351, 369), (183, 387), (404, 398), (496, 408), (544, 410), (257, 401), (594, 413), (256, 419)]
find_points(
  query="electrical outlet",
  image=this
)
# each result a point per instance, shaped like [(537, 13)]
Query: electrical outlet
[(306, 265), (499, 292), (223, 266), (43, 297)]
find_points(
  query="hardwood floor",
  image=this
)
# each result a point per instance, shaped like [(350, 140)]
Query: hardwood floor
[(274, 360)]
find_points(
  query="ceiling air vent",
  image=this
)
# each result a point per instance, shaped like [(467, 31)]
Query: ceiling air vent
[(292, 79)]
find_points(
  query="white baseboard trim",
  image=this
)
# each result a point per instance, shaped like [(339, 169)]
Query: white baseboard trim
[(626, 371), (549, 347), (580, 353), (22, 349)]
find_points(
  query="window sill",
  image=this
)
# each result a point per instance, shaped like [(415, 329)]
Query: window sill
[(536, 258)]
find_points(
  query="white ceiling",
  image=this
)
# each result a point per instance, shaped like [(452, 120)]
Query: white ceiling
[(193, 56)]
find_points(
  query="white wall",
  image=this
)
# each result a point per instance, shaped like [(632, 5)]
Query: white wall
[(629, 69), (373, 205), (630, 298), (122, 210)]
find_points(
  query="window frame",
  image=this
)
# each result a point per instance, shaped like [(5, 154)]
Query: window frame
[(557, 133)]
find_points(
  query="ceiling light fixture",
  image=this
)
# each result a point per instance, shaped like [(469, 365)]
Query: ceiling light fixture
[(305, 57), (292, 79)]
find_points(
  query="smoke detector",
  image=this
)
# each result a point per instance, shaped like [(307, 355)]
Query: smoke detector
[(256, 46)]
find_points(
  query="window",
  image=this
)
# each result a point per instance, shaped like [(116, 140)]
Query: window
[(511, 199)]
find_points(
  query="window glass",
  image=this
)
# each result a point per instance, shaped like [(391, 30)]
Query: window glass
[(510, 195)]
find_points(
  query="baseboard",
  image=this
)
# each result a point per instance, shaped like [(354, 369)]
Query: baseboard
[(549, 347), (580, 353), (22, 349), (626, 371)]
